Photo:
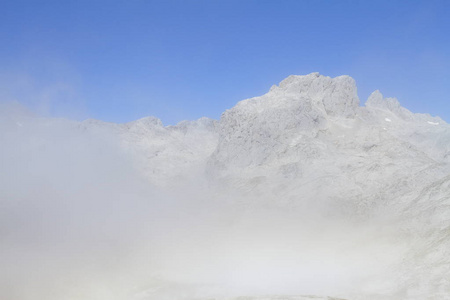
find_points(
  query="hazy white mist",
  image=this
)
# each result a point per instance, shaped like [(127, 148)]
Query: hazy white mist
[(80, 218)]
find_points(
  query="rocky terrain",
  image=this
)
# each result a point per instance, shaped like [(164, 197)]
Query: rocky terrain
[(310, 191)]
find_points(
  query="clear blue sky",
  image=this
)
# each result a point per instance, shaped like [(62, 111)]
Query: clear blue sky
[(122, 60)]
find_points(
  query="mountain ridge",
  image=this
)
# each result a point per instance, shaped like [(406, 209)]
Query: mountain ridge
[(310, 155)]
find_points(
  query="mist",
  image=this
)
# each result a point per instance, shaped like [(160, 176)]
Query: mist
[(79, 221)]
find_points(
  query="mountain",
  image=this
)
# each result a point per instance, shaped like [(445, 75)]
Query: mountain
[(328, 196)]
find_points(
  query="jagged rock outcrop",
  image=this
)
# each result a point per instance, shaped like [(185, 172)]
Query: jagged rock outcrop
[(310, 132)]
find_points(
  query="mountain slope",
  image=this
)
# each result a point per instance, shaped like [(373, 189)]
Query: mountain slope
[(299, 191), (307, 145)]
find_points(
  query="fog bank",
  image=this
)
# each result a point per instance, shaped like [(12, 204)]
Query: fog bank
[(79, 221)]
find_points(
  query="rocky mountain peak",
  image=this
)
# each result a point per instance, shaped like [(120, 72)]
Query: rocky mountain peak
[(337, 96)]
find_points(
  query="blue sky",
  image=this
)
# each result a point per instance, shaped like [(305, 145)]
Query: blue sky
[(122, 60)]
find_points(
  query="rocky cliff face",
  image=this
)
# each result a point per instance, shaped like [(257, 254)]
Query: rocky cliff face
[(310, 132)]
